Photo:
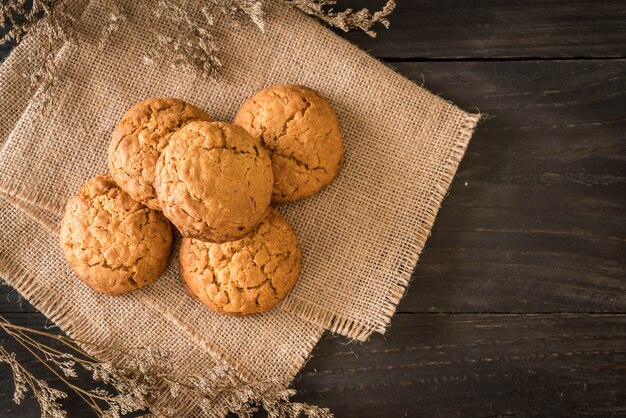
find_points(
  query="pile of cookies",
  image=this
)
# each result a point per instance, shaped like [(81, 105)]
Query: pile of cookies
[(214, 181)]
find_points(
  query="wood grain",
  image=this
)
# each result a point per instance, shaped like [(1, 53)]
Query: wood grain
[(433, 365), (501, 29), (535, 219), (474, 366)]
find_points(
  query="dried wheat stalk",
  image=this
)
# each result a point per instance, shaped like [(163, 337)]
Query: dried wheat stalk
[(178, 38), (130, 387)]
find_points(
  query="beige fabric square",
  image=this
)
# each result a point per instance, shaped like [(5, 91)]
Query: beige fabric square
[(361, 236)]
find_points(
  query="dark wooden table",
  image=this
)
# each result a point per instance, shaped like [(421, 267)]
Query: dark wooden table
[(517, 306)]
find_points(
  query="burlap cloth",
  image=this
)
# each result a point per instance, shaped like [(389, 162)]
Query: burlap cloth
[(361, 236)]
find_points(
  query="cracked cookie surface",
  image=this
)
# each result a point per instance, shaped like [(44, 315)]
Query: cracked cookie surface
[(247, 276), (138, 140), (214, 181), (113, 243), (301, 132)]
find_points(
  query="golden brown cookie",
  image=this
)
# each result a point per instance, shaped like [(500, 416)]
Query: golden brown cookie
[(214, 181), (301, 131), (138, 139), (247, 276), (113, 243)]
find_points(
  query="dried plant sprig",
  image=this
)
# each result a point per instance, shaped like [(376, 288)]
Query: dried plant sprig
[(17, 18), (178, 38), (187, 42), (145, 372), (181, 40), (236, 12), (116, 16), (254, 10), (54, 30), (54, 24), (46, 396), (348, 19)]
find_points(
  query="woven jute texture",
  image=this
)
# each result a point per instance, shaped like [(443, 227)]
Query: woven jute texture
[(45, 279), (360, 237)]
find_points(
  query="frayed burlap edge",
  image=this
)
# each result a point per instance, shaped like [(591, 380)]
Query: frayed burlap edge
[(51, 203), (219, 354), (361, 331), (43, 217)]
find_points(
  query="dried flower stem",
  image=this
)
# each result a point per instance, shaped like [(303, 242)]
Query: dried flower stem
[(348, 19), (178, 38), (84, 395), (146, 372)]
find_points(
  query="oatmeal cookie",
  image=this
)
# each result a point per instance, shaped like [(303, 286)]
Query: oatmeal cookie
[(301, 131), (113, 243), (214, 181), (138, 139), (247, 276)]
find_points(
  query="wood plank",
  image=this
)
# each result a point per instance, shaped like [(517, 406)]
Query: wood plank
[(453, 29), (539, 195), (435, 365), (534, 221), (474, 366), (531, 94)]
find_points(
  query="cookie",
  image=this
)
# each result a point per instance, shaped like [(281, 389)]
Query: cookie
[(138, 139), (247, 276), (113, 243), (301, 131), (214, 181)]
